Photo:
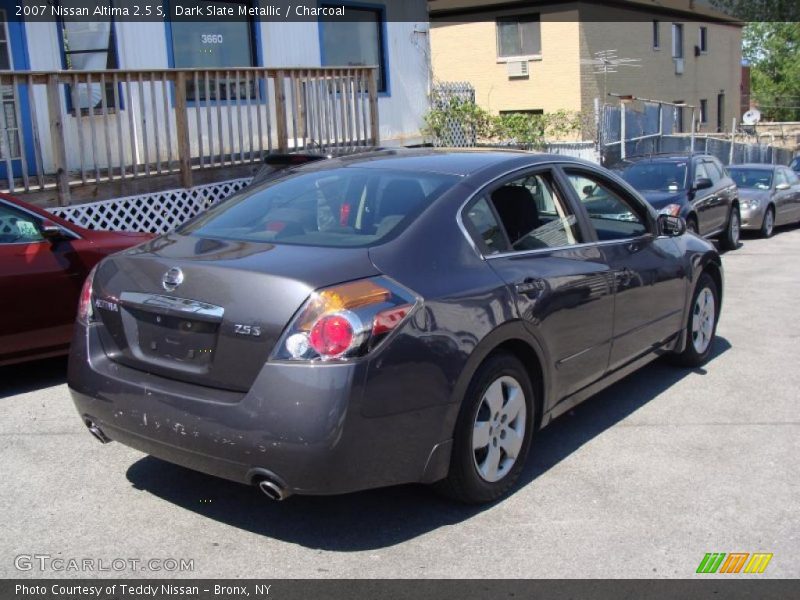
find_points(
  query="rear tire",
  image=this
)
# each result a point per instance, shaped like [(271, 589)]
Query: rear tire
[(730, 239), (493, 432), (768, 224), (701, 325)]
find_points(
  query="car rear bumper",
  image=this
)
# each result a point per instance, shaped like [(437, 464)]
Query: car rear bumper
[(301, 423)]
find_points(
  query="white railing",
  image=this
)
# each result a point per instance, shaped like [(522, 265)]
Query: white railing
[(65, 129)]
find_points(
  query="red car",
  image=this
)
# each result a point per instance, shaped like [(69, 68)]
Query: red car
[(43, 263)]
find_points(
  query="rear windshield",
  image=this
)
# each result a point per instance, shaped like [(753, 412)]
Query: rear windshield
[(652, 176), (343, 207), (756, 179)]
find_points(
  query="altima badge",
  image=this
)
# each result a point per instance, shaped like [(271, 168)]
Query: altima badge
[(172, 279)]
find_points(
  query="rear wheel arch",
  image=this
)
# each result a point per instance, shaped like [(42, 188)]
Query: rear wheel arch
[(714, 269), (530, 359), (512, 338)]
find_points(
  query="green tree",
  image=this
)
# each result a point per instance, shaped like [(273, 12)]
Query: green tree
[(773, 51), (760, 10)]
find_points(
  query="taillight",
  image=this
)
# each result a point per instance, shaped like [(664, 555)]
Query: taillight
[(346, 321), (85, 310)]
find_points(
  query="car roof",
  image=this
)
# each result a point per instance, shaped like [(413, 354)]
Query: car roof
[(758, 166), (670, 157), (444, 161)]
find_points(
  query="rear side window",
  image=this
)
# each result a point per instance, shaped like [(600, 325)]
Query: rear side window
[(613, 216), (484, 225), (341, 207)]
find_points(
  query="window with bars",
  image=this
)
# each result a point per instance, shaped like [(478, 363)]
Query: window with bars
[(215, 46), (357, 42), (89, 46), (9, 128)]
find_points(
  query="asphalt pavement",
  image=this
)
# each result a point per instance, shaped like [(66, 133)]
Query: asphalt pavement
[(640, 481)]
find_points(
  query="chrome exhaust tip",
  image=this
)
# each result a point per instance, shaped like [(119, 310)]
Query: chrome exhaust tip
[(272, 490), (97, 432)]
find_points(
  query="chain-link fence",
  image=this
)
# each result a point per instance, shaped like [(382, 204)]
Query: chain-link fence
[(640, 128)]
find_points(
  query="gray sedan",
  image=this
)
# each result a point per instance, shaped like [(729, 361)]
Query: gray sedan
[(769, 194), (400, 316)]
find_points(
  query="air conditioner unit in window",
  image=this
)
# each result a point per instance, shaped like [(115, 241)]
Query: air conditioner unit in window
[(679, 66), (517, 68)]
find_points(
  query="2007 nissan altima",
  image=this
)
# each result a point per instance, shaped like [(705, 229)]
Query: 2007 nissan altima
[(391, 317)]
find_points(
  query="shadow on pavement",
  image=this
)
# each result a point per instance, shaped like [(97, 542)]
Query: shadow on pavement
[(32, 376), (385, 517)]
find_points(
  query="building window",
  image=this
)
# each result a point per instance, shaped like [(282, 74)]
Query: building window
[(357, 42), (677, 115), (656, 35), (519, 36), (677, 40), (9, 143), (703, 41), (704, 110), (214, 45), (88, 46), (524, 111)]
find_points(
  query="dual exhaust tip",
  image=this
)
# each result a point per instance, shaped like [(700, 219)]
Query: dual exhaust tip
[(273, 490), (97, 432), (269, 485)]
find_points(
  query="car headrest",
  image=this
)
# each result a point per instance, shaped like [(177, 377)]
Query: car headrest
[(400, 197), (517, 210)]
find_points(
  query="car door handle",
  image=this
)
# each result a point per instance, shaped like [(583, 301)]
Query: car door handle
[(530, 286)]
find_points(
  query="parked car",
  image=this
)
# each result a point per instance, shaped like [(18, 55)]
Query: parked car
[(43, 263), (695, 187), (402, 316), (795, 164), (769, 196)]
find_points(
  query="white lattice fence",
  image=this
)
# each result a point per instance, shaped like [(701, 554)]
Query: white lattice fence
[(158, 212)]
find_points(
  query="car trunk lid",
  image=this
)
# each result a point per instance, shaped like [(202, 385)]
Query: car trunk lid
[(222, 309)]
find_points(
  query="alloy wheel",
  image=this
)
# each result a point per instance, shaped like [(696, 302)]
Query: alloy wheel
[(703, 315), (769, 223), (734, 225), (499, 428)]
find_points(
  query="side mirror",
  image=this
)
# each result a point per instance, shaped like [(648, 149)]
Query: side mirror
[(51, 230), (671, 226), (782, 186), (703, 183)]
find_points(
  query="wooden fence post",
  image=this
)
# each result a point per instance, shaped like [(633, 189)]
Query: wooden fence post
[(372, 87), (56, 117), (182, 128), (281, 128)]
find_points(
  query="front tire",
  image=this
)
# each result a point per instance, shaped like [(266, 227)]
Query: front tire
[(691, 225), (730, 239), (701, 326), (768, 224), (493, 432)]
